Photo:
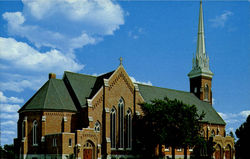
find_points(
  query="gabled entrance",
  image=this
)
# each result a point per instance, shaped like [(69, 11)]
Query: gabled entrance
[(88, 150)]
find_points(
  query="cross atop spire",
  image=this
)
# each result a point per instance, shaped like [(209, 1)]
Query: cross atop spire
[(201, 60), (120, 60)]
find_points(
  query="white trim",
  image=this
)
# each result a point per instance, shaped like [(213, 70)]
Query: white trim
[(34, 133), (106, 82), (166, 149), (107, 110), (179, 149), (43, 118), (96, 95), (43, 139), (65, 119), (90, 118), (108, 139), (89, 101), (136, 87)]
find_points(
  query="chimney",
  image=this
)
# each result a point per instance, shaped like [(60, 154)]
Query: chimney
[(52, 75)]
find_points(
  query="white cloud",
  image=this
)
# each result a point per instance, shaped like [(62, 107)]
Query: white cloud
[(219, 21), (136, 33), (19, 86), (245, 113), (8, 123), (8, 132), (13, 116), (21, 55), (9, 108), (69, 25), (5, 99), (135, 81), (235, 117)]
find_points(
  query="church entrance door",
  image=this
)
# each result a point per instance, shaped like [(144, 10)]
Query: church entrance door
[(228, 152), (218, 152), (88, 150)]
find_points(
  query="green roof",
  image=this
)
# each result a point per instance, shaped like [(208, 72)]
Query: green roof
[(53, 95), (75, 89), (84, 86), (150, 93)]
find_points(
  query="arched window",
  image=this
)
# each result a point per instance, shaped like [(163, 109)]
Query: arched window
[(113, 127), (129, 129), (206, 91), (218, 131), (35, 132), (121, 122), (23, 129), (97, 126)]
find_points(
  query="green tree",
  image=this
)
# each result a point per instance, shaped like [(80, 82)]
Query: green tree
[(7, 151), (242, 145), (167, 122)]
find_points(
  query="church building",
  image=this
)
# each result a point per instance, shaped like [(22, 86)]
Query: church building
[(91, 117)]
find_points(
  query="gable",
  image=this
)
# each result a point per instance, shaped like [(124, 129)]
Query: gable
[(82, 86)]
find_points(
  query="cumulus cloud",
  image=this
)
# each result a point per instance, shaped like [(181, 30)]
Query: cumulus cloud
[(9, 108), (13, 116), (8, 132), (20, 85), (8, 123), (65, 24), (5, 99), (21, 55), (220, 20), (245, 113), (135, 81), (235, 117)]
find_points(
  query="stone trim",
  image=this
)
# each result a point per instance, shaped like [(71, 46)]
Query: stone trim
[(65, 119), (108, 139), (91, 118), (106, 82), (89, 101), (136, 87), (107, 110), (43, 118)]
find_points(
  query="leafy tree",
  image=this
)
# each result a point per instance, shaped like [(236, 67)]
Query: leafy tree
[(204, 149), (232, 135), (242, 145), (7, 151), (166, 122)]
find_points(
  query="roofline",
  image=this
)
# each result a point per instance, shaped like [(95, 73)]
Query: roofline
[(163, 88), (47, 110)]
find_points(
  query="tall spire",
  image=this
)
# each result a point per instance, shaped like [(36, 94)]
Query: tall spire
[(200, 40), (201, 60)]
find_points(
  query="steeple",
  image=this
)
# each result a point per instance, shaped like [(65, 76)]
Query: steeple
[(201, 59), (201, 76)]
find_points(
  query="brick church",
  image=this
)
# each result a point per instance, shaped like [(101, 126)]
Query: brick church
[(90, 117)]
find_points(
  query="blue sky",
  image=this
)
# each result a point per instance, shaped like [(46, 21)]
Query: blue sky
[(157, 40)]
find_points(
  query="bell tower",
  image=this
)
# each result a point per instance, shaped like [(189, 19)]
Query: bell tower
[(201, 76)]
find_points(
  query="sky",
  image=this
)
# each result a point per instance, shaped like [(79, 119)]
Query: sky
[(156, 39)]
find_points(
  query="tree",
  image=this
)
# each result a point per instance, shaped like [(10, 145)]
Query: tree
[(7, 151), (204, 149), (167, 122), (242, 145)]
